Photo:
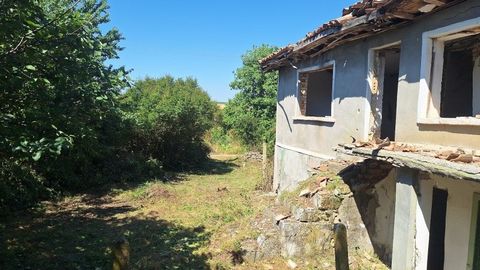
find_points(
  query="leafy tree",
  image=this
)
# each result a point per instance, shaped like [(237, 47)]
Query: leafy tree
[(58, 98), (173, 116), (251, 113)]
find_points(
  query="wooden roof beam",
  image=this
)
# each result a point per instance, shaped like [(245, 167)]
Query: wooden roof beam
[(402, 15)]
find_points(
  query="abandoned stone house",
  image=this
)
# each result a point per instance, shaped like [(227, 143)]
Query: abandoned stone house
[(396, 81)]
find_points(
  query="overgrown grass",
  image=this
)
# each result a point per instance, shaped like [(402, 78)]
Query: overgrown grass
[(222, 142), (211, 200), (169, 224)]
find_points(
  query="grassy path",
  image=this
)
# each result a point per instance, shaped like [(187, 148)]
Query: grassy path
[(177, 224)]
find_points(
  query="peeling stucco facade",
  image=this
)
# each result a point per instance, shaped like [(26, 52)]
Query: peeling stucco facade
[(302, 143), (351, 101)]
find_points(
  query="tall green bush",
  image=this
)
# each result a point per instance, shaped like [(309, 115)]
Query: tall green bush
[(173, 116), (58, 112), (64, 125), (251, 113)]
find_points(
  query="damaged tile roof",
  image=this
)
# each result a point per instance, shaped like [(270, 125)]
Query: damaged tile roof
[(362, 19)]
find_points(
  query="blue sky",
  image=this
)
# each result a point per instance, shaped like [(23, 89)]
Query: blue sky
[(205, 39)]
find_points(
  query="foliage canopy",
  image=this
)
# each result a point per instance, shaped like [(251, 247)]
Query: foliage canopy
[(62, 125), (251, 113), (57, 103), (173, 116)]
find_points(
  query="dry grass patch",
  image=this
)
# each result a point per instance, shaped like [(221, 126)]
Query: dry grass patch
[(169, 224)]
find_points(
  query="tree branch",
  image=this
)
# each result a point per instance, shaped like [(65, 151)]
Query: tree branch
[(24, 39)]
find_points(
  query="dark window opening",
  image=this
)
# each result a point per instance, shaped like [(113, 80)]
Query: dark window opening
[(457, 79), (316, 97), (436, 244), (390, 90)]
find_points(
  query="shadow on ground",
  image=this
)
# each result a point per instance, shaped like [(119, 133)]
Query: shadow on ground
[(209, 167), (79, 236), (216, 167)]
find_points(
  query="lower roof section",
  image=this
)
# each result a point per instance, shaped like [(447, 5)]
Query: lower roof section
[(428, 164)]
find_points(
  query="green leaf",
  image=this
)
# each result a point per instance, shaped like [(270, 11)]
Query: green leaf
[(37, 155), (30, 67), (32, 23)]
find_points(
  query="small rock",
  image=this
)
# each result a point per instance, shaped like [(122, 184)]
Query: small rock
[(317, 200), (453, 156), (291, 264), (261, 239), (305, 193), (307, 214), (280, 217), (465, 158)]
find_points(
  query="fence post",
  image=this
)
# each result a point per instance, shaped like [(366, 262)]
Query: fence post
[(264, 161), (121, 254), (341, 247)]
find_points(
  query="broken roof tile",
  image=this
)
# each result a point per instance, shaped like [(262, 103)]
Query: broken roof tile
[(361, 19)]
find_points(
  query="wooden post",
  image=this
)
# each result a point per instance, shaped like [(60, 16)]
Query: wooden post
[(264, 161), (341, 247), (121, 254)]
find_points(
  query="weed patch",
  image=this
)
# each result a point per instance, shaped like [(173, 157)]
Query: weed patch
[(170, 225)]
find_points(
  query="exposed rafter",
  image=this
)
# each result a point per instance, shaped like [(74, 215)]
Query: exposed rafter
[(360, 20)]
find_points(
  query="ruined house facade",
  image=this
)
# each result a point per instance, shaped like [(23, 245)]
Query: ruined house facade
[(409, 71)]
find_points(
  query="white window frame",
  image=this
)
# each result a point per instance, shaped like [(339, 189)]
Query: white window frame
[(430, 88), (298, 115)]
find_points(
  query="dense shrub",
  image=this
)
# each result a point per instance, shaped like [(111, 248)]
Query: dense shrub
[(20, 185), (58, 113), (223, 141), (173, 116), (64, 126), (251, 113)]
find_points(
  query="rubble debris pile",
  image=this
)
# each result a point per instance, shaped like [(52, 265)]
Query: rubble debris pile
[(300, 224)]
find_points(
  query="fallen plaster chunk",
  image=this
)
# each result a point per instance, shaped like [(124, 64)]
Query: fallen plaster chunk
[(427, 8), (305, 193), (465, 158), (281, 217), (291, 264)]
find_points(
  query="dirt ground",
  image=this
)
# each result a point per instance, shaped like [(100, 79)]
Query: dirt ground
[(196, 220), (174, 224)]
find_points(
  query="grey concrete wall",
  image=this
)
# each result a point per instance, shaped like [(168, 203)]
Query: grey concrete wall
[(384, 217), (292, 167), (403, 253), (350, 105), (458, 217), (348, 108)]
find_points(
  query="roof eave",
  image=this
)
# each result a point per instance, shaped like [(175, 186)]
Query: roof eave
[(339, 31)]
